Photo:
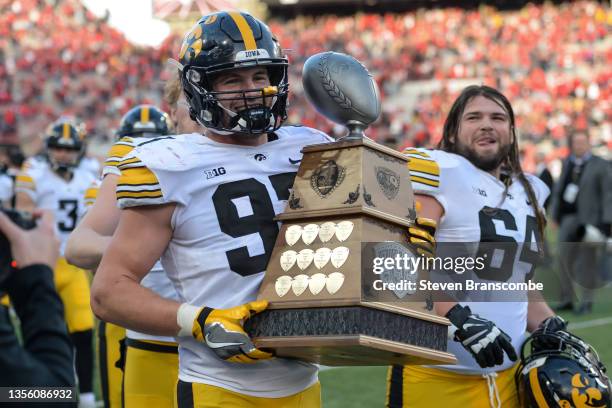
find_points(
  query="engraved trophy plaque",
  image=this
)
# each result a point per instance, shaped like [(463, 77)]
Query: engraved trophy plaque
[(346, 193)]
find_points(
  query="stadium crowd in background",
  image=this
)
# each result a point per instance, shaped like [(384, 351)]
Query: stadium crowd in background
[(551, 60)]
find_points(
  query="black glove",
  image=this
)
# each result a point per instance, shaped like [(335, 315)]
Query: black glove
[(485, 341), (553, 324)]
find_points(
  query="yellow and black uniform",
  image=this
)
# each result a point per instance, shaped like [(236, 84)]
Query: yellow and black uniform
[(408, 385), (223, 280), (110, 345), (111, 355), (209, 396), (64, 197), (451, 178), (146, 354)]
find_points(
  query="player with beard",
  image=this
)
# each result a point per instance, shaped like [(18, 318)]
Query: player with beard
[(471, 190)]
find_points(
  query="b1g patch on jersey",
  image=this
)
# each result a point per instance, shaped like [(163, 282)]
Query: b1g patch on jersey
[(210, 173)]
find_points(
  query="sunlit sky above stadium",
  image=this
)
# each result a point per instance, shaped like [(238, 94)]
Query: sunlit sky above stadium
[(132, 17)]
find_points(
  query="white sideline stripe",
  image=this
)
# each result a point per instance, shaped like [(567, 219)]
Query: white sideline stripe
[(591, 323)]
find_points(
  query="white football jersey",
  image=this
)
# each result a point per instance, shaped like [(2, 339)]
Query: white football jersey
[(49, 191), (474, 213), (156, 279), (226, 196)]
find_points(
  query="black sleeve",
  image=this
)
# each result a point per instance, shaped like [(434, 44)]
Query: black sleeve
[(46, 356)]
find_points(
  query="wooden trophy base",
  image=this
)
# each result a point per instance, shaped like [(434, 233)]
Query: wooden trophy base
[(351, 335)]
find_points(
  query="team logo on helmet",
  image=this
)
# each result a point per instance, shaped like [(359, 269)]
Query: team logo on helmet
[(192, 44)]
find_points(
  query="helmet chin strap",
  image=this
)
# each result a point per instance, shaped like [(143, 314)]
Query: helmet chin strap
[(240, 120)]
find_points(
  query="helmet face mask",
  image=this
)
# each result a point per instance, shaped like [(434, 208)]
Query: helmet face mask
[(220, 44), (63, 159)]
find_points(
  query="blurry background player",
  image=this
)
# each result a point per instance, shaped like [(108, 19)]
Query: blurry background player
[(141, 354), (84, 163), (58, 185), (582, 208)]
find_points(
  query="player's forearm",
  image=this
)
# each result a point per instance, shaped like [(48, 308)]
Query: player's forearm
[(442, 308), (120, 301), (537, 311), (85, 248)]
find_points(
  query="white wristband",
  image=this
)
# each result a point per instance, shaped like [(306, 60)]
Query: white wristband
[(185, 317)]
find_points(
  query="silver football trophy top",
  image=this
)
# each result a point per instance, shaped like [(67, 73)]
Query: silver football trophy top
[(342, 90)]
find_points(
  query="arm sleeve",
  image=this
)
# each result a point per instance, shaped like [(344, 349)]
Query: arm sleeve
[(425, 174), (25, 182), (138, 185), (116, 153), (46, 357), (91, 194)]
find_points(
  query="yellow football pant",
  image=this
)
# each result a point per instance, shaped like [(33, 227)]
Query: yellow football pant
[(418, 386), (110, 339), (72, 285), (195, 395), (151, 372)]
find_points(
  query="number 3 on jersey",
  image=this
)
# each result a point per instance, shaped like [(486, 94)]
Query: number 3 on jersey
[(69, 208), (261, 220)]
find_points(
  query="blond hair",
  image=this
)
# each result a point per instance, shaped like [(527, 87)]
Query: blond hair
[(173, 89)]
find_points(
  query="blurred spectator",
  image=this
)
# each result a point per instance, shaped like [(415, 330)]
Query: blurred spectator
[(542, 172), (582, 206)]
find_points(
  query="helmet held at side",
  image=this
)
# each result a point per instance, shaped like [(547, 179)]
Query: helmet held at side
[(144, 121), (569, 375), (226, 41)]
